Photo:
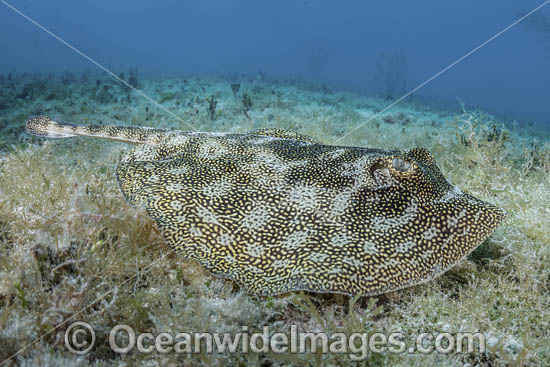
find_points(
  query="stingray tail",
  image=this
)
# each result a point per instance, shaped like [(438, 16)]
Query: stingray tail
[(46, 127)]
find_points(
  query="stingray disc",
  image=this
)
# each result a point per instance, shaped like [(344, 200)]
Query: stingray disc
[(277, 211)]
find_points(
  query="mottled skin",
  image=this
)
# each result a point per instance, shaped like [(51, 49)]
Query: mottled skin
[(277, 211)]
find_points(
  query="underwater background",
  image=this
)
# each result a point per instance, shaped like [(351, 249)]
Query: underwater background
[(380, 48), (342, 72)]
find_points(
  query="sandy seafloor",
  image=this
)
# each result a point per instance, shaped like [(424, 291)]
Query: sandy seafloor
[(67, 236)]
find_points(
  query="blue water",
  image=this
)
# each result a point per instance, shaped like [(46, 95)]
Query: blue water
[(368, 47)]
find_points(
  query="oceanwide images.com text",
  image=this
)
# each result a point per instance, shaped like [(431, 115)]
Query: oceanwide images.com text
[(80, 339)]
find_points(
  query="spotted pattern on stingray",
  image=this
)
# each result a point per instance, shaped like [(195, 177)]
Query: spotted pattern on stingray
[(278, 211)]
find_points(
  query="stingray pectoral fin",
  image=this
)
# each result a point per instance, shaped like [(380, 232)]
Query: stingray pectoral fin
[(46, 127), (284, 134)]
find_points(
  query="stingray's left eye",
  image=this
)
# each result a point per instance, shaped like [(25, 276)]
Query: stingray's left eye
[(401, 165)]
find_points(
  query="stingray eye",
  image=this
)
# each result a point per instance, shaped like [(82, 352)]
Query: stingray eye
[(381, 174), (401, 165)]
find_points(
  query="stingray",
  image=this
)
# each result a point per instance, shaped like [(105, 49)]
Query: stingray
[(277, 211)]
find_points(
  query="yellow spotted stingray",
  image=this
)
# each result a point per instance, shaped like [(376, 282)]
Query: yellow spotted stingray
[(277, 211)]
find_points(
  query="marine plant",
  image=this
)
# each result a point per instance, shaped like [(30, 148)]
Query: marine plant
[(133, 77), (235, 89), (246, 104), (212, 103)]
